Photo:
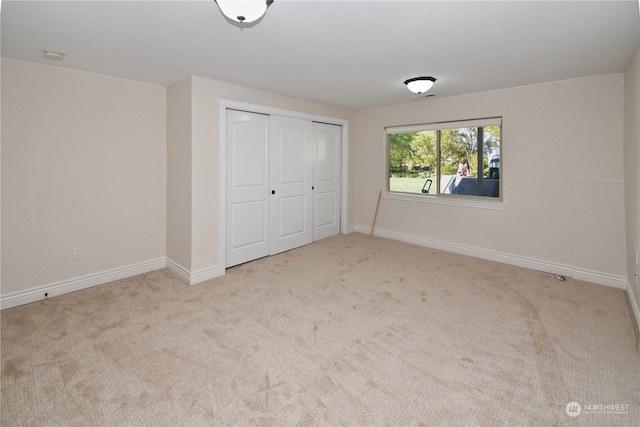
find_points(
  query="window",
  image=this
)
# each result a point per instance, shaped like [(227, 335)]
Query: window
[(452, 159)]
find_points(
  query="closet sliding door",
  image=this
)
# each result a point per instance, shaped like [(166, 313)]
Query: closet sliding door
[(247, 187), (282, 184), (290, 183), (327, 146)]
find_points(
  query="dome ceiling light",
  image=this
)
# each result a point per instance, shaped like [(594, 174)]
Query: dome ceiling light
[(56, 56), (420, 85), (243, 13)]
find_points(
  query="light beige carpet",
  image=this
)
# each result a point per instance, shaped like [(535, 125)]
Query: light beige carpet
[(348, 331)]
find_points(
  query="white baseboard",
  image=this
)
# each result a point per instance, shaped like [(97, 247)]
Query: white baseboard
[(178, 270), (519, 261), (46, 291), (53, 289), (634, 305), (351, 229), (195, 277), (600, 278)]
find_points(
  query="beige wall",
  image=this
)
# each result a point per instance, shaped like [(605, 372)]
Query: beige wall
[(563, 180), (632, 171), (179, 173), (83, 165), (200, 142), (128, 171)]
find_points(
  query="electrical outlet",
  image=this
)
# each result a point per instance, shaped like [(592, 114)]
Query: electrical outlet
[(77, 253), (436, 223)]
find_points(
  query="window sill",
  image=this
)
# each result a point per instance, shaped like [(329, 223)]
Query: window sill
[(444, 200)]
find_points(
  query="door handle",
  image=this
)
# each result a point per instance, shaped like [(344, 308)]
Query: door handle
[(313, 188), (273, 191)]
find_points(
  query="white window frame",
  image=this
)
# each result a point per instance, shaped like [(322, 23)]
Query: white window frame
[(449, 199)]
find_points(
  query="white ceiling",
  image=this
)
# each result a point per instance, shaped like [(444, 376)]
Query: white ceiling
[(354, 54)]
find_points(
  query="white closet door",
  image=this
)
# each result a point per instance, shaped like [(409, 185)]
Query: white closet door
[(326, 180), (247, 187), (290, 183)]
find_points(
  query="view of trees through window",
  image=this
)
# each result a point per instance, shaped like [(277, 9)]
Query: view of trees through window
[(446, 161)]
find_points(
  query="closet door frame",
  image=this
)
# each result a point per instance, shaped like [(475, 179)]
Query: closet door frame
[(225, 104)]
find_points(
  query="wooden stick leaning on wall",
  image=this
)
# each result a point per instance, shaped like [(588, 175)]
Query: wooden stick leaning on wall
[(375, 216)]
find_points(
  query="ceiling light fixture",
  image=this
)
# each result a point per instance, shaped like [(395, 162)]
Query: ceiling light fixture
[(56, 56), (419, 85), (244, 11)]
